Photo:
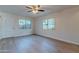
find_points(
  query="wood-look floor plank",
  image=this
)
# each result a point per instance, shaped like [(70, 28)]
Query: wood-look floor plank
[(36, 44)]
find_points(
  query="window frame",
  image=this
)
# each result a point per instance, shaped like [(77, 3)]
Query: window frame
[(51, 24), (24, 26)]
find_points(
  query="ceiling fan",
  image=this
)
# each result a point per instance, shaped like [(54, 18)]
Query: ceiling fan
[(35, 9)]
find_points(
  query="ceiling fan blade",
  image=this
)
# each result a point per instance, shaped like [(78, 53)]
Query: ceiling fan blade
[(28, 7), (41, 10), (29, 11)]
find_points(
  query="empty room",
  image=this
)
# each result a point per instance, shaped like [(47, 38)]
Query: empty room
[(39, 29)]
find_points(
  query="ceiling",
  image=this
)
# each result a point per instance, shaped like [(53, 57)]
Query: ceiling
[(22, 11)]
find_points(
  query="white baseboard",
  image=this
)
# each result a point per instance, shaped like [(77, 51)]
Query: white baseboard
[(66, 40), (14, 36), (57, 38)]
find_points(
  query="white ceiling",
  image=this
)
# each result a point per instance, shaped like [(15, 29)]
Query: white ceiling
[(22, 11)]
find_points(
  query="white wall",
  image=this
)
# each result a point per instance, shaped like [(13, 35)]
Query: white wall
[(9, 26), (67, 25)]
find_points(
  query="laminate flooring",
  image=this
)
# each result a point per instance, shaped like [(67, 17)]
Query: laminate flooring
[(36, 44)]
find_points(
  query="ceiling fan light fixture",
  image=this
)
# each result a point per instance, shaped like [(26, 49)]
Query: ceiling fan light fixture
[(35, 11), (37, 7)]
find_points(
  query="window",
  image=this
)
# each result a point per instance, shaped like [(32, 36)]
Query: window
[(25, 24), (49, 24)]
